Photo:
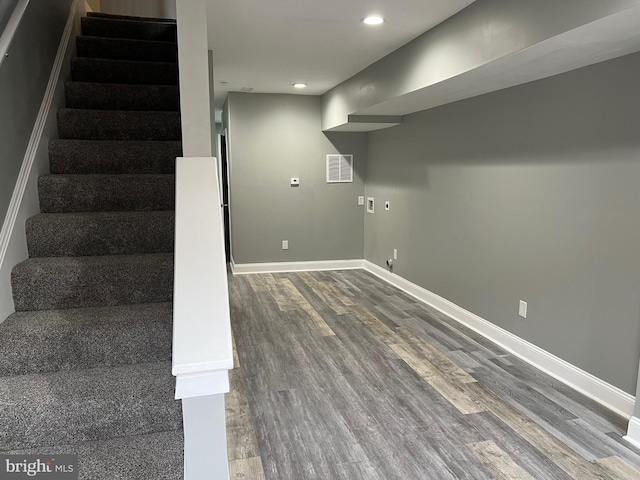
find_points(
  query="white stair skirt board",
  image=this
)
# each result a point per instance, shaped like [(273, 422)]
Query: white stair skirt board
[(633, 433), (247, 268), (608, 395)]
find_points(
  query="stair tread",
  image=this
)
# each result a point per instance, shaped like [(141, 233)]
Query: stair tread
[(100, 233), (106, 192), (130, 17), (129, 41), (123, 71), (86, 124), (154, 456), (83, 405), (128, 28), (69, 156), (126, 49), (45, 283), (121, 97), (79, 338)]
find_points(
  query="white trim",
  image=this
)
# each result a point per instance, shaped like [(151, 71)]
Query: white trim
[(608, 395), (202, 348), (36, 137), (633, 433), (312, 266), (202, 384), (10, 29)]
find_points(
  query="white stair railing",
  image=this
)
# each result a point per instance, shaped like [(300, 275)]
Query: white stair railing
[(202, 349)]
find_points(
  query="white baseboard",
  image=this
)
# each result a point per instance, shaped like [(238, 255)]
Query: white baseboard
[(633, 433), (24, 201), (608, 395), (246, 268)]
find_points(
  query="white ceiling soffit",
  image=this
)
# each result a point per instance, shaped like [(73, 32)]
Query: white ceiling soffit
[(598, 41), (267, 45)]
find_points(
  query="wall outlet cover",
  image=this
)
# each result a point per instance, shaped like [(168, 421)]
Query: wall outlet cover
[(285, 244), (370, 205), (295, 181), (522, 309), (361, 200)]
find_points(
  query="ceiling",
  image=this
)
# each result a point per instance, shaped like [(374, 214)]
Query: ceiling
[(267, 45)]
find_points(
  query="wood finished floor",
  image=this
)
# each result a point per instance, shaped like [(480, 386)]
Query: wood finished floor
[(342, 376)]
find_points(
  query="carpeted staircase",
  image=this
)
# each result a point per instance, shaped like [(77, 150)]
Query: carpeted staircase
[(85, 362)]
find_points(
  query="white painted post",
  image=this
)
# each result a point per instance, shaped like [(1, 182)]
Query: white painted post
[(205, 444), (193, 64)]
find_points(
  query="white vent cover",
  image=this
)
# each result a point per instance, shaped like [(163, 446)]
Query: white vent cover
[(339, 168)]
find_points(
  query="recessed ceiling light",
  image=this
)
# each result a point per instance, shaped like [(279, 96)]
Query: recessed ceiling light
[(300, 85), (373, 20)]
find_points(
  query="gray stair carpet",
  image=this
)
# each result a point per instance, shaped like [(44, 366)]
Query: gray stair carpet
[(101, 70), (126, 156), (99, 193), (109, 96), (126, 49), (100, 233), (83, 124), (85, 362)]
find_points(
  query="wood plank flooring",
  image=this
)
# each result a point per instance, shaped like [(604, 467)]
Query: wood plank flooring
[(341, 376)]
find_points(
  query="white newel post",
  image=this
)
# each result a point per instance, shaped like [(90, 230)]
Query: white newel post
[(202, 349)]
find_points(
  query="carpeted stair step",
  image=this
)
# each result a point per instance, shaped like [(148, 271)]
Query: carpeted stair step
[(113, 157), (101, 233), (126, 49), (84, 405), (155, 456), (123, 71), (79, 338), (106, 96), (83, 124), (106, 193), (128, 28), (77, 282), (128, 17)]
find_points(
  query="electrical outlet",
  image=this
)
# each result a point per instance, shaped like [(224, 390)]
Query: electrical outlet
[(360, 200), (522, 309), (285, 244), (395, 253)]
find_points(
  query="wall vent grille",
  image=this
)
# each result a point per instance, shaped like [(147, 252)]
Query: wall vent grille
[(339, 168)]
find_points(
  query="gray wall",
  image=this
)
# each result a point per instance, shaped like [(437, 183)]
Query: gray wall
[(6, 9), (530, 193), (276, 137), (23, 78)]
